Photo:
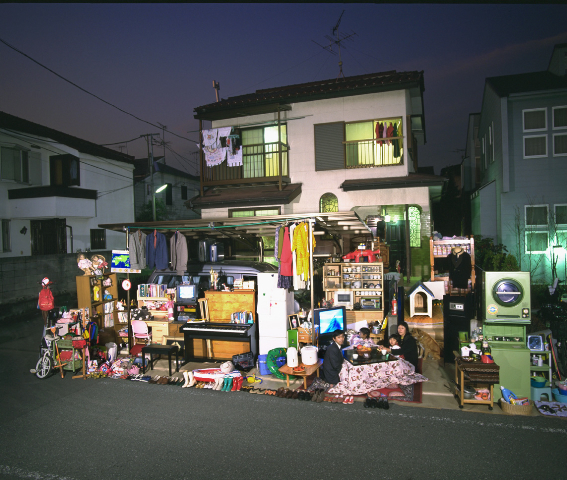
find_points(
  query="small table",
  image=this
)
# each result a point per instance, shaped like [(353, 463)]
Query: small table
[(159, 350), (374, 356), (475, 372), (309, 370)]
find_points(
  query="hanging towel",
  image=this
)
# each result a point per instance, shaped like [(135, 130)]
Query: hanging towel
[(210, 137), (234, 160), (214, 156), (224, 131)]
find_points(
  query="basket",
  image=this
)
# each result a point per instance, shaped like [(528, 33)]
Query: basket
[(516, 409)]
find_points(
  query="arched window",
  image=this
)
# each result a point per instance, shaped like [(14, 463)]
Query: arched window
[(328, 203)]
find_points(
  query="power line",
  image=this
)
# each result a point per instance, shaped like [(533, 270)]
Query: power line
[(86, 91), (118, 143)]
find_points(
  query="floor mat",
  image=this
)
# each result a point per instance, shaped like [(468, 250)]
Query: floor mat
[(559, 409)]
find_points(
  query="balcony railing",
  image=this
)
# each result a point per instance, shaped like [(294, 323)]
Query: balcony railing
[(260, 163), (374, 153)]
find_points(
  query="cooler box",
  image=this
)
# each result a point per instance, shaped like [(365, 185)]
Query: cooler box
[(262, 366)]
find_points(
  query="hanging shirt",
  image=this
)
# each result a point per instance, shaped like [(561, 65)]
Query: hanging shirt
[(379, 131), (286, 258), (301, 247), (390, 133), (234, 159), (298, 284)]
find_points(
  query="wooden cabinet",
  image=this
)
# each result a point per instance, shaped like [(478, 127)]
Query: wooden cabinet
[(441, 249), (91, 295), (364, 280), (160, 321)]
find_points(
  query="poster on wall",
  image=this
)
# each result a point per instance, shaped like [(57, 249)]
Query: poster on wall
[(121, 262)]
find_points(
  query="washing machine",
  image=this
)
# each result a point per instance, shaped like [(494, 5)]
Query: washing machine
[(506, 297)]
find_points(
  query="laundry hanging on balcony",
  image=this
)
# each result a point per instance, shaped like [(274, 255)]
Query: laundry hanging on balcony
[(214, 152), (234, 159)]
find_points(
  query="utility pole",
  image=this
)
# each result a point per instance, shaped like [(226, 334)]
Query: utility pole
[(149, 140), (163, 128)]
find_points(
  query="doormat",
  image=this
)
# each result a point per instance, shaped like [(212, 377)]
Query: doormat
[(559, 409)]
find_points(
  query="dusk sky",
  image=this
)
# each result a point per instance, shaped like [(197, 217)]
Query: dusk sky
[(158, 61)]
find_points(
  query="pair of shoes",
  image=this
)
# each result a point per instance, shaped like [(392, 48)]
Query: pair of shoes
[(289, 394), (270, 392), (321, 396), (303, 395), (189, 379), (281, 392), (349, 400)]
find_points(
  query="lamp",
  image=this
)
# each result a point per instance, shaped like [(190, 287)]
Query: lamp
[(387, 218), (162, 188)]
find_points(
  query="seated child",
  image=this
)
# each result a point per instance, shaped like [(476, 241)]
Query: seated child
[(363, 338), (394, 341)]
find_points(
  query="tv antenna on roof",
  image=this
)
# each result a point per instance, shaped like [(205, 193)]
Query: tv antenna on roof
[(337, 39)]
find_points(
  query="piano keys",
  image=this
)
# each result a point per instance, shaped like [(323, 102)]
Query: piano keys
[(217, 332)]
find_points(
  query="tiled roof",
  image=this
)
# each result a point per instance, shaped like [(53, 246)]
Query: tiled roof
[(303, 92), (17, 124), (526, 82)]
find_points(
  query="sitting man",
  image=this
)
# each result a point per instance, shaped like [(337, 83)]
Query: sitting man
[(333, 361)]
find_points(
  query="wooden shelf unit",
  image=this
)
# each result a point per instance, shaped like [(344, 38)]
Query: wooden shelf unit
[(365, 280), (441, 249), (104, 310)]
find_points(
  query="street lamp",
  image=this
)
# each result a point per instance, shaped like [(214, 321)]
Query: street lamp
[(160, 189)]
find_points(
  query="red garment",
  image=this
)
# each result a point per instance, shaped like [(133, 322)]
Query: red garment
[(286, 260), (379, 132), (390, 133)]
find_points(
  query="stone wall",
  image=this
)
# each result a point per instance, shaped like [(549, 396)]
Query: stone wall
[(20, 281)]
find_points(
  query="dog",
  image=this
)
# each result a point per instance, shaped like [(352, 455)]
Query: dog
[(429, 345)]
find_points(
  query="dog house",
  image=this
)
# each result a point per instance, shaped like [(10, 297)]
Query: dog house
[(421, 300)]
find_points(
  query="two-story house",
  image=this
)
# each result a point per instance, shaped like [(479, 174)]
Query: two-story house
[(56, 188), (346, 144), (522, 202), (179, 187)]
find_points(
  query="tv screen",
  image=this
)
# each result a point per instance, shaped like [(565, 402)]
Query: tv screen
[(186, 294), (330, 319)]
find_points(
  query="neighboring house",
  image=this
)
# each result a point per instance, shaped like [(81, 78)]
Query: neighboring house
[(181, 186), (313, 147), (522, 200), (55, 189)]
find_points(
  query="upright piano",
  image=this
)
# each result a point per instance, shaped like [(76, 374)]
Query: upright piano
[(231, 332)]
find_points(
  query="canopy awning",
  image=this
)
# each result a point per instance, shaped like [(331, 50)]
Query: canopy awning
[(337, 223)]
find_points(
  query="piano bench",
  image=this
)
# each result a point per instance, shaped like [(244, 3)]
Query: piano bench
[(159, 350)]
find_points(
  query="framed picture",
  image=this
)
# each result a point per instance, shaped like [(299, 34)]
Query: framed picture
[(293, 321)]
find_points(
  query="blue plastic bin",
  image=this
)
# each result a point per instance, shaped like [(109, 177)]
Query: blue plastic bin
[(262, 366)]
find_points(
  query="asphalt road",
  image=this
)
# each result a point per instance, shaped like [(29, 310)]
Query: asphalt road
[(72, 429)]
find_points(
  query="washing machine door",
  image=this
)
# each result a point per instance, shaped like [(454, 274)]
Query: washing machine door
[(508, 292)]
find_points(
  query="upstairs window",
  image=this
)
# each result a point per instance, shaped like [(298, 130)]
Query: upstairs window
[(260, 152), (169, 194), (255, 212), (536, 216), (535, 119), (6, 246), (183, 192), (15, 164), (535, 146), (98, 239), (561, 215), (559, 117), (560, 144), (64, 170)]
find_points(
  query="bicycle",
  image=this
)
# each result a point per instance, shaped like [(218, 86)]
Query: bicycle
[(49, 352)]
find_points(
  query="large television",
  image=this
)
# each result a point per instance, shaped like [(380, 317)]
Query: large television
[(186, 294), (330, 319)]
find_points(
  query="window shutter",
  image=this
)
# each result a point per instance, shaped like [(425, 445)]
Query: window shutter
[(34, 159), (329, 148)]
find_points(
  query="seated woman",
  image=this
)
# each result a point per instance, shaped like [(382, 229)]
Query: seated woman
[(408, 345), (333, 360), (363, 338)]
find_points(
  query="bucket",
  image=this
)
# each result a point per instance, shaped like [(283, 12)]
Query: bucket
[(262, 366)]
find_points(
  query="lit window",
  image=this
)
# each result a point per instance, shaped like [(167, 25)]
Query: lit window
[(328, 203), (257, 212), (415, 227)]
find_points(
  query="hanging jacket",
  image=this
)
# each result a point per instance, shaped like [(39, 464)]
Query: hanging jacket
[(179, 254), (156, 251), (137, 247)]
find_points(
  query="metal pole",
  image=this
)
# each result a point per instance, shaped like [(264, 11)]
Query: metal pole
[(201, 156), (152, 177), (408, 251), (311, 274), (280, 150)]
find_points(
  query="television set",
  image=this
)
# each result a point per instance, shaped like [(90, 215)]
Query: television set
[(327, 320), (343, 298), (186, 294)]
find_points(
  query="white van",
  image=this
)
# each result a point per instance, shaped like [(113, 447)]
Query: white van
[(200, 273)]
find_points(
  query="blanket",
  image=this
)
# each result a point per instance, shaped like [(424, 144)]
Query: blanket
[(361, 379), (559, 409)]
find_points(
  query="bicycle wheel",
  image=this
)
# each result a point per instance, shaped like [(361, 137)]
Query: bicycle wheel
[(44, 366)]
